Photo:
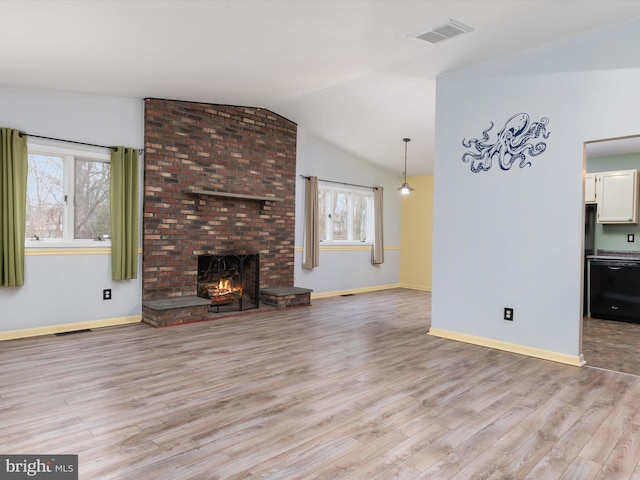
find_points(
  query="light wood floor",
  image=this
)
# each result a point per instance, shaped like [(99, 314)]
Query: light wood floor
[(612, 345), (350, 388)]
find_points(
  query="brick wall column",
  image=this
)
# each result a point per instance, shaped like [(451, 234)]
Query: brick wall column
[(232, 149)]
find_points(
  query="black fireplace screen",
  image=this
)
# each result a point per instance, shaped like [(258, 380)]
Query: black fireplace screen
[(231, 282)]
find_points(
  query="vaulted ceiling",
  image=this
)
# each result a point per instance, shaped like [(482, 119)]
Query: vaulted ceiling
[(349, 72)]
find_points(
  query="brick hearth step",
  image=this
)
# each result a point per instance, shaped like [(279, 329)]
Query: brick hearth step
[(175, 310), (284, 297), (176, 302)]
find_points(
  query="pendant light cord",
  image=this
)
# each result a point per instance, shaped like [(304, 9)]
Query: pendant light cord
[(406, 141)]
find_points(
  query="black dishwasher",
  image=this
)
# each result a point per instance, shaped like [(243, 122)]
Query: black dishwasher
[(615, 290)]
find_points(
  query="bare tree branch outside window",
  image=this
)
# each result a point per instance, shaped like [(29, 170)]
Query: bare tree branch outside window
[(46, 198), (91, 200), (345, 215)]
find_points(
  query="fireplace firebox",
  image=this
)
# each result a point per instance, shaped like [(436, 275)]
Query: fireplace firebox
[(231, 282)]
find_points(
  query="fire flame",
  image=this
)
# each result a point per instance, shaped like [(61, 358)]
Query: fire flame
[(223, 287)]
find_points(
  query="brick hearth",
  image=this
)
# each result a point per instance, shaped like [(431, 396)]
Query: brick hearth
[(216, 148)]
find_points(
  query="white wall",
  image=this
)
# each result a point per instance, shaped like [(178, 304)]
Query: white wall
[(514, 238), (346, 270), (65, 286)]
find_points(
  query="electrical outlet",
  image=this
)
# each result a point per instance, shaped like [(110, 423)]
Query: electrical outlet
[(508, 314), (106, 294), (631, 237)]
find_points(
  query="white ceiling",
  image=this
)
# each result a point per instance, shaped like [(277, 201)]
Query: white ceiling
[(345, 71)]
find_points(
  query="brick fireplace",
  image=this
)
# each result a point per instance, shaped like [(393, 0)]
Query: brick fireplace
[(219, 179)]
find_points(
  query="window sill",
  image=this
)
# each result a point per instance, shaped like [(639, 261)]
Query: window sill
[(36, 244), (346, 244), (345, 247)]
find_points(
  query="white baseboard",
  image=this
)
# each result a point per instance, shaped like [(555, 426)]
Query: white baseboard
[(575, 360), (415, 287), (353, 291)]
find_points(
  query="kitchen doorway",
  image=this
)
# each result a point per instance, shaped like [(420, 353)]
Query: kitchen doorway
[(611, 335)]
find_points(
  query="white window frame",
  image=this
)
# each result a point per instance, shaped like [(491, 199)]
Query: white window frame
[(69, 156), (368, 192)]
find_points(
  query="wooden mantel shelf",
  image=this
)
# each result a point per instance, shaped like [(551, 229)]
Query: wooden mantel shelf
[(213, 193)]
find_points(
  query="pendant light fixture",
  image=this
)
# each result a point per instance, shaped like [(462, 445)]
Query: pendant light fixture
[(405, 189)]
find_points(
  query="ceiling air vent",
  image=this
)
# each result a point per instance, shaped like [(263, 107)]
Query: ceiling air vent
[(442, 32)]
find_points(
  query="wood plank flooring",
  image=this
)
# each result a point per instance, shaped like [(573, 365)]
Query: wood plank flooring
[(611, 344), (350, 388)]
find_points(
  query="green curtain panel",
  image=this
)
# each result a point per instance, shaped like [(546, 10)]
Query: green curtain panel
[(124, 213), (13, 206)]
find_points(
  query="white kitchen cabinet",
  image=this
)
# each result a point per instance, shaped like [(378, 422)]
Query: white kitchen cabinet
[(590, 188), (617, 196)]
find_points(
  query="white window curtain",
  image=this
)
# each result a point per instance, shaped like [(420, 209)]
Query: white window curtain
[(377, 249), (311, 249)]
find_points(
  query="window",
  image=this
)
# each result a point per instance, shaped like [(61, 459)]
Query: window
[(346, 214), (67, 196)]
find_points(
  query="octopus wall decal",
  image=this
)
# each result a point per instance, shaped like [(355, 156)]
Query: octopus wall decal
[(513, 144)]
